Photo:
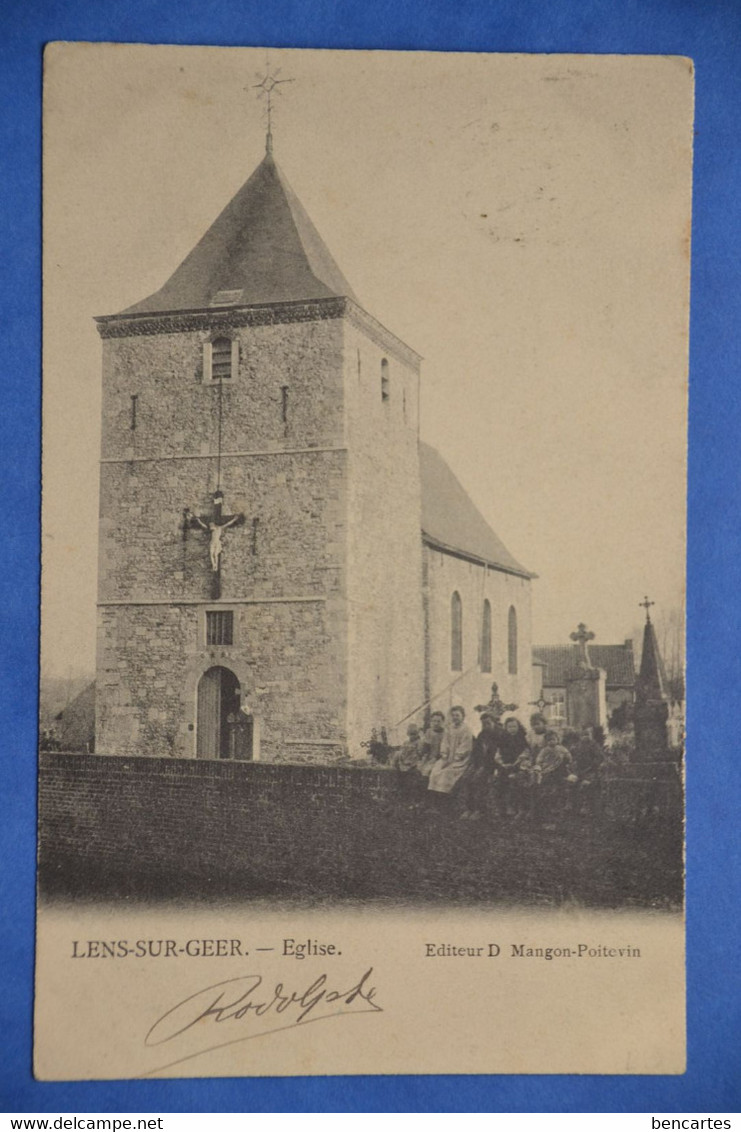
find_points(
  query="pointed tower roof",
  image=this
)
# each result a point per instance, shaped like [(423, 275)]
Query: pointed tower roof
[(651, 684), (262, 248)]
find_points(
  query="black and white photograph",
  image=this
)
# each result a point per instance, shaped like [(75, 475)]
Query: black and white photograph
[(362, 644)]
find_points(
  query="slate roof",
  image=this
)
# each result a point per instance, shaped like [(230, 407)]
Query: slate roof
[(559, 660), (263, 248), (652, 678), (450, 521)]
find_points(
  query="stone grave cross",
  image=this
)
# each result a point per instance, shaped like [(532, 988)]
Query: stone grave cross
[(586, 702), (582, 637)]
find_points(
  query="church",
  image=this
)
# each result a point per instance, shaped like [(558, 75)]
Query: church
[(284, 566)]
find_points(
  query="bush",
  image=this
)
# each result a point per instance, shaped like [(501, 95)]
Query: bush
[(622, 717)]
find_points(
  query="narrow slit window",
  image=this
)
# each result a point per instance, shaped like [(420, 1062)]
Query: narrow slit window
[(220, 627), (284, 403), (134, 404), (255, 526), (385, 381)]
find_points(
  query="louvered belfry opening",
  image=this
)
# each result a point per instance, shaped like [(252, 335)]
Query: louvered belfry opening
[(221, 359)]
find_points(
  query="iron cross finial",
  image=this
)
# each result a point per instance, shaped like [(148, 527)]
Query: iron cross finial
[(646, 604), (267, 87)]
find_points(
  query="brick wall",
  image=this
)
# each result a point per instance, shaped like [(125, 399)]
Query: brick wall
[(151, 824), (150, 827)]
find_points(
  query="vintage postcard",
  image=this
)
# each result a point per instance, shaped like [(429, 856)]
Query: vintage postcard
[(362, 689)]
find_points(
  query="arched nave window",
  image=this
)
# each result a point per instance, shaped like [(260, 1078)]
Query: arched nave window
[(486, 637), (512, 641), (456, 633)]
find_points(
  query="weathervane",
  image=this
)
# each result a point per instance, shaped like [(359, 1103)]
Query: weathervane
[(268, 86)]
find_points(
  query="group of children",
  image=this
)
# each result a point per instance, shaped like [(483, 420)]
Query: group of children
[(517, 771)]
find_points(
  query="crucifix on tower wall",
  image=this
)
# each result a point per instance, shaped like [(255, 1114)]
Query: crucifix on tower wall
[(214, 525)]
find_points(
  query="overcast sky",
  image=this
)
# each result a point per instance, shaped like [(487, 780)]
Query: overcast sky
[(521, 221)]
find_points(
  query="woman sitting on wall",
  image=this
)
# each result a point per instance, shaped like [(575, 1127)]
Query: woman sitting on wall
[(455, 755), (477, 781), (512, 745)]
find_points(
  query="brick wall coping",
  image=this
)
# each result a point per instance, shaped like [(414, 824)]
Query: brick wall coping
[(167, 766), (205, 768)]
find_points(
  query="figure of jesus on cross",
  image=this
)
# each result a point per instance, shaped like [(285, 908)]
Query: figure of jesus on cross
[(214, 525)]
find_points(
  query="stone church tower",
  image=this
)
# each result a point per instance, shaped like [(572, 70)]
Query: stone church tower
[(260, 559)]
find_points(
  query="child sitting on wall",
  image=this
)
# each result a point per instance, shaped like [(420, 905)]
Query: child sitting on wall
[(406, 762), (553, 768)]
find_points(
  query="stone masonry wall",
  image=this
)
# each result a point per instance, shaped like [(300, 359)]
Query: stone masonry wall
[(177, 411), (386, 634), (285, 656), (284, 466), (290, 544), (447, 574)]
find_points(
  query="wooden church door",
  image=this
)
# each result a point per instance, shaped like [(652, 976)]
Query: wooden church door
[(218, 705)]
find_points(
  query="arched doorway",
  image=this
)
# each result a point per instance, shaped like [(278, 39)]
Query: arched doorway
[(223, 731)]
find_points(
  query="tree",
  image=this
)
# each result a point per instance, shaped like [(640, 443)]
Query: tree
[(669, 626)]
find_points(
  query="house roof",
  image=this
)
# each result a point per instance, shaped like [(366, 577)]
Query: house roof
[(560, 660), (76, 723), (262, 248), (450, 521)]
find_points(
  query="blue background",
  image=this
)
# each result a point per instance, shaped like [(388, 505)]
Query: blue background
[(710, 32)]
